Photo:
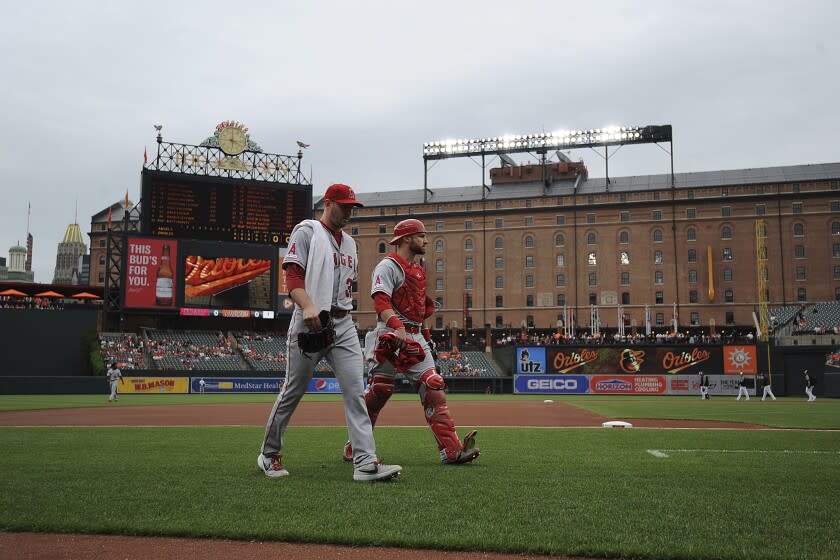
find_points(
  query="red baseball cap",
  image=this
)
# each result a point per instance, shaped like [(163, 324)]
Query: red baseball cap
[(341, 193)]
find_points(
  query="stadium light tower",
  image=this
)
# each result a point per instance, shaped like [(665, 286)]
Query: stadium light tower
[(542, 142)]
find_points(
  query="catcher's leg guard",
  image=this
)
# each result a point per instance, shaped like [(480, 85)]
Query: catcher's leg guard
[(452, 451), (379, 390)]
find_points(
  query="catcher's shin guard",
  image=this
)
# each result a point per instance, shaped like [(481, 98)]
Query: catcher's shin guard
[(440, 421), (377, 394)]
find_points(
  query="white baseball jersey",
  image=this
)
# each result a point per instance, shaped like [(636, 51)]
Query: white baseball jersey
[(345, 262), (114, 375), (387, 277), (345, 355)]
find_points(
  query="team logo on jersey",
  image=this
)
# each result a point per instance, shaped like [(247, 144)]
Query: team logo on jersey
[(292, 250), (377, 282)]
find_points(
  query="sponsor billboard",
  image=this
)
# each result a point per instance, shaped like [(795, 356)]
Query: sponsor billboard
[(234, 278), (739, 359), (237, 384), (530, 359), (718, 385), (150, 276), (617, 360), (154, 385), (628, 384), (323, 385), (259, 385), (551, 384)]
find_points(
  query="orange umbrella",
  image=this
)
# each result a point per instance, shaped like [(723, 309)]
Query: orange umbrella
[(12, 292), (49, 293), (85, 295)]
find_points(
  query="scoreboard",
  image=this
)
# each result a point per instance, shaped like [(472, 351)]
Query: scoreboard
[(222, 209)]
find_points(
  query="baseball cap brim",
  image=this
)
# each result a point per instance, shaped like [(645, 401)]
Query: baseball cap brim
[(349, 201)]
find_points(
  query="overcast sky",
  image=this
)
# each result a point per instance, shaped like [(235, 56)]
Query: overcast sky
[(744, 84)]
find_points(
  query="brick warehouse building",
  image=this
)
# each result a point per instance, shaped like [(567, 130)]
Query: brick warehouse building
[(519, 250)]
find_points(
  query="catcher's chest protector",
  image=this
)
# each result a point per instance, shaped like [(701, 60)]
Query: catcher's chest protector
[(410, 298)]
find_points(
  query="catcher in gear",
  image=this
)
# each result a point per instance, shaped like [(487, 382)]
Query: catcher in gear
[(400, 344)]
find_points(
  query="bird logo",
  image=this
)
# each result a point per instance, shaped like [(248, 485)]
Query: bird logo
[(631, 360)]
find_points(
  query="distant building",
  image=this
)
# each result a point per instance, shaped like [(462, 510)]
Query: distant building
[(71, 248), (29, 243), (120, 220), (539, 244), (16, 269)]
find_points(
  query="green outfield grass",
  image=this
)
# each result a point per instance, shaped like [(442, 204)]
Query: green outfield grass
[(592, 492)]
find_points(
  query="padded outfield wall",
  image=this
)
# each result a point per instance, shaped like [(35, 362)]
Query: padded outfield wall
[(666, 369), (41, 342)]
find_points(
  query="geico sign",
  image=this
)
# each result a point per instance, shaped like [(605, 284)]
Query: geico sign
[(554, 384)]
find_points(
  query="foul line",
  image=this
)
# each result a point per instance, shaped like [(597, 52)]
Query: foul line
[(665, 453)]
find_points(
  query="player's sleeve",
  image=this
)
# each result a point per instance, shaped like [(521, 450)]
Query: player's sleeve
[(381, 302), (295, 277), (298, 251), (385, 278)]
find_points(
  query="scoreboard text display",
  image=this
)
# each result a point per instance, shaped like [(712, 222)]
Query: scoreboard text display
[(221, 209)]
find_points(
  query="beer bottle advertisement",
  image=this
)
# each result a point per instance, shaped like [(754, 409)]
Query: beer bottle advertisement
[(150, 273)]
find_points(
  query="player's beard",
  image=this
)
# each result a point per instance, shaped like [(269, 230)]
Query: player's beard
[(417, 248)]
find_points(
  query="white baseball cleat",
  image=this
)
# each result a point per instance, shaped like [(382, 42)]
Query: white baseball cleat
[(271, 466), (376, 471)]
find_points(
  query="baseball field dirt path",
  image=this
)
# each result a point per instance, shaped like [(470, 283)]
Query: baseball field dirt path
[(397, 413)]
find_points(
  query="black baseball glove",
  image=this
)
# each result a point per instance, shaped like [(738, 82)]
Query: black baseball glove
[(314, 342)]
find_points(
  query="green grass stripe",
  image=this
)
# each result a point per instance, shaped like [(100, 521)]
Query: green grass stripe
[(564, 492), (789, 412)]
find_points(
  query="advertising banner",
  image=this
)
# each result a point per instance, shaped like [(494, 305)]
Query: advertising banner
[(663, 359), (628, 384), (237, 384), (258, 385), (154, 385), (718, 385), (551, 384), (548, 384), (739, 359), (530, 359), (151, 278), (323, 385), (233, 278)]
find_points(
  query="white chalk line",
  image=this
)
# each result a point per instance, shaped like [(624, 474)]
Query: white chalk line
[(665, 453)]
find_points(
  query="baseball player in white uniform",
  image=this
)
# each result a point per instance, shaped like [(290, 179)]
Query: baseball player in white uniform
[(399, 294), (321, 267), (114, 379), (704, 385), (767, 387), (809, 386), (742, 387)]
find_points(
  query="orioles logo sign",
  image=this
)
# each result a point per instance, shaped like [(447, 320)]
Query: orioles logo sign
[(631, 360)]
